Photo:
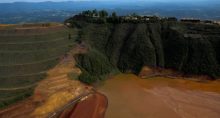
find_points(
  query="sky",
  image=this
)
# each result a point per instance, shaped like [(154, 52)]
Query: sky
[(6, 1)]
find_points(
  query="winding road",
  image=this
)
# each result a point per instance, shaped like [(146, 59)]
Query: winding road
[(87, 105)]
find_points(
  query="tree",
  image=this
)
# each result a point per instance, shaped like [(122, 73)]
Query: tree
[(114, 15), (134, 15), (87, 78), (87, 13), (114, 18), (95, 12), (103, 13)]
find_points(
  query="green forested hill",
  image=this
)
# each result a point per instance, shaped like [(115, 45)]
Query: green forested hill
[(191, 48)]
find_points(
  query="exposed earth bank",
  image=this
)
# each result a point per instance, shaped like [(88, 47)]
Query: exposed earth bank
[(52, 93)]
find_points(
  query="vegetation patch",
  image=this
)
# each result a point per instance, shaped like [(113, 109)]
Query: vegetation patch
[(93, 65), (73, 76)]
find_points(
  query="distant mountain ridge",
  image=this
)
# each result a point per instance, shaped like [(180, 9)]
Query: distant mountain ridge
[(19, 12)]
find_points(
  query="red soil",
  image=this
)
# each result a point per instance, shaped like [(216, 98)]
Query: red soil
[(93, 107)]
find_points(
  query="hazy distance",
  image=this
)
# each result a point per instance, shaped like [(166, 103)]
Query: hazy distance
[(8, 1), (12, 11)]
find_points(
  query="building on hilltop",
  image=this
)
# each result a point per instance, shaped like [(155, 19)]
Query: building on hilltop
[(216, 22), (191, 20), (208, 22), (193, 36)]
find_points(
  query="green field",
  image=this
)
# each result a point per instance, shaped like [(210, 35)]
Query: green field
[(26, 54)]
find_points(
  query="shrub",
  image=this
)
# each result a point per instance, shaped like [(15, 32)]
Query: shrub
[(73, 76), (87, 78)]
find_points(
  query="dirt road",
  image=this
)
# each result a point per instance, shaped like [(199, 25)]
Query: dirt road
[(94, 106)]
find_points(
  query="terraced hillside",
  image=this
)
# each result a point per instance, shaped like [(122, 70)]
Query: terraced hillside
[(26, 53)]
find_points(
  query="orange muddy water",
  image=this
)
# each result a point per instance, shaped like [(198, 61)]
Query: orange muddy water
[(132, 97)]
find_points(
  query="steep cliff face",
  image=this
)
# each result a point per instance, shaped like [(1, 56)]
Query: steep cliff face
[(192, 55), (189, 48)]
